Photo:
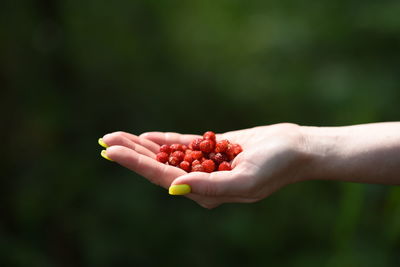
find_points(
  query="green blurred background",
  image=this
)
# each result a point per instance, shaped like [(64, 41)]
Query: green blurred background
[(72, 71)]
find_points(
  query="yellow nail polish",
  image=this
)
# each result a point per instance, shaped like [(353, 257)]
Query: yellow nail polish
[(101, 142), (179, 189), (104, 155)]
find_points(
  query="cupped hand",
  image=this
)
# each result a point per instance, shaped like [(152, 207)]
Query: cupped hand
[(273, 156)]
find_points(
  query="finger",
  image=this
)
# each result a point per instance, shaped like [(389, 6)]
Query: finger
[(121, 140), (169, 137), (153, 147), (151, 169), (216, 184)]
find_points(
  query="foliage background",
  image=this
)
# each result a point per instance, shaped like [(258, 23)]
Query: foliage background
[(71, 71)]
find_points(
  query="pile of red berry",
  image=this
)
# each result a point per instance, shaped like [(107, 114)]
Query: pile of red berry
[(201, 155)]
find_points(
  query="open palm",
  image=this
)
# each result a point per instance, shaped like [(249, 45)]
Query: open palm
[(272, 157)]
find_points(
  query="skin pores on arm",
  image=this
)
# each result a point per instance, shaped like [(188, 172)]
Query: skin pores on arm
[(367, 153)]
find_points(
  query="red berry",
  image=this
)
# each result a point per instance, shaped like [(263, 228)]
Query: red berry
[(162, 157), (209, 135), (224, 166), (188, 158), (213, 145), (230, 156), (176, 147), (165, 148), (207, 146), (202, 154), (196, 162), (230, 152), (219, 158), (211, 155), (196, 154), (174, 161), (237, 149), (198, 168), (208, 165), (184, 165), (179, 154), (195, 144), (221, 146)]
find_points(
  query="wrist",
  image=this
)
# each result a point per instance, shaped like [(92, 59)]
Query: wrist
[(323, 146)]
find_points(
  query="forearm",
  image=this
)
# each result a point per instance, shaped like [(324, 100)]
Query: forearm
[(368, 153)]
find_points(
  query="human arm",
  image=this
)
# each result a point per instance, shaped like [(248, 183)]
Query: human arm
[(366, 153), (273, 156)]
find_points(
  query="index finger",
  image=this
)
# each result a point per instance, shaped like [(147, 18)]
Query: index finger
[(151, 169), (136, 139), (169, 138)]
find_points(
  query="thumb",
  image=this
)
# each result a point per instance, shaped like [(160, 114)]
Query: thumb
[(215, 184)]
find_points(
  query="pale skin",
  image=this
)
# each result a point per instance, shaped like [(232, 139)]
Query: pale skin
[(273, 157)]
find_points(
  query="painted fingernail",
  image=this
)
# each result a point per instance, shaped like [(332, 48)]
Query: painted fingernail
[(179, 189), (104, 155), (101, 142)]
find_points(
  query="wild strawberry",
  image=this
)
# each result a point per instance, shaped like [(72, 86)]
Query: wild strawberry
[(174, 161), (237, 149), (162, 157), (198, 168), (175, 147), (233, 150), (224, 166), (208, 165), (202, 154), (179, 154), (196, 154), (219, 158), (207, 146), (213, 144), (211, 156), (188, 158), (165, 148), (221, 146), (196, 162), (195, 144), (209, 135), (230, 156), (184, 165)]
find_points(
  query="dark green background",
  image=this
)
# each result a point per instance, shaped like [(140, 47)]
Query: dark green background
[(72, 71)]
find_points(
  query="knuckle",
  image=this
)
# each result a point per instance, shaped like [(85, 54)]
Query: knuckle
[(169, 136), (210, 189)]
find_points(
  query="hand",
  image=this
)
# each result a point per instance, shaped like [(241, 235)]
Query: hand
[(273, 156)]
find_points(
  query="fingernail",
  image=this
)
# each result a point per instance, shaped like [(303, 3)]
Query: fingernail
[(104, 155), (179, 189), (101, 142)]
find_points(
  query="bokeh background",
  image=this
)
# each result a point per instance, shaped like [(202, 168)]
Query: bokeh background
[(72, 71)]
